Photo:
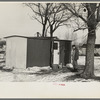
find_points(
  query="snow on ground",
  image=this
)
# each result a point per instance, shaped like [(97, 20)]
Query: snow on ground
[(46, 74)]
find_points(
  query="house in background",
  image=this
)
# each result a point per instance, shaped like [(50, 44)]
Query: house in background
[(96, 50), (2, 52), (82, 45), (23, 52)]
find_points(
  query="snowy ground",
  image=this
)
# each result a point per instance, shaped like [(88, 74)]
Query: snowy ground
[(46, 74)]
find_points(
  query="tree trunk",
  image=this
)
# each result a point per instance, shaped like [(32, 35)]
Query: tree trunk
[(51, 31), (89, 65), (91, 23), (51, 53), (43, 31), (51, 47)]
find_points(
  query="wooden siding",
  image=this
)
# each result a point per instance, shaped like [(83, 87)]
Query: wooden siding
[(62, 48), (67, 58), (16, 52), (65, 52), (38, 52)]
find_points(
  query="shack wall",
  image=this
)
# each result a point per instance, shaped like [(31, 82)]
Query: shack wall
[(65, 52), (16, 52), (67, 58), (62, 53), (38, 52)]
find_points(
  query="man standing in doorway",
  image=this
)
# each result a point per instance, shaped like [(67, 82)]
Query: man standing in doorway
[(75, 57)]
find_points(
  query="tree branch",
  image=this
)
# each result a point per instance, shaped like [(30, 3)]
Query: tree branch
[(75, 13), (80, 29)]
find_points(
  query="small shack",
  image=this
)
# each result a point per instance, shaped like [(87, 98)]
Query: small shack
[(23, 52)]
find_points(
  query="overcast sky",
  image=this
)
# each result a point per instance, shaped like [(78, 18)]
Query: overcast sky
[(15, 19)]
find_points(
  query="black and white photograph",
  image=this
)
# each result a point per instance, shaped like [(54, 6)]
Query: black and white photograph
[(49, 42)]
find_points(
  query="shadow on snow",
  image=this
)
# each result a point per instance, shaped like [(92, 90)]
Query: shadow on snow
[(73, 76)]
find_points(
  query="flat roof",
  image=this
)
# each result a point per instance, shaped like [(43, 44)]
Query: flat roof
[(44, 38)]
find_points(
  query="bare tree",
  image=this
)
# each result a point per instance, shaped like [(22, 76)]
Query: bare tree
[(57, 17), (50, 15), (91, 20), (41, 13)]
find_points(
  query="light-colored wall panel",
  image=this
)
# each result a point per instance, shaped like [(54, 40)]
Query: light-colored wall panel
[(16, 52), (21, 52)]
